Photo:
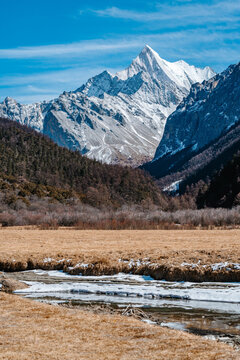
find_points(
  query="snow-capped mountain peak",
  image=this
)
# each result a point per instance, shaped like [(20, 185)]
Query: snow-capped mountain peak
[(146, 61), (9, 101), (114, 118), (180, 72)]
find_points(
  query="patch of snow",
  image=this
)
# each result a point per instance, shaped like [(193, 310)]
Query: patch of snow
[(215, 267), (173, 187), (194, 147), (174, 325), (81, 265), (148, 321), (137, 263)]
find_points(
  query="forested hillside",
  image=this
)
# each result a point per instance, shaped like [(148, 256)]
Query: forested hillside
[(207, 162), (45, 185), (39, 167), (224, 189)]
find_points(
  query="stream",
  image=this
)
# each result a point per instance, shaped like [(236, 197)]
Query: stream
[(208, 309)]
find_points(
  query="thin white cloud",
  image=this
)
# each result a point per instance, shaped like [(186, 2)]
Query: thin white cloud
[(39, 90), (74, 49), (184, 14), (73, 75), (219, 57), (32, 99)]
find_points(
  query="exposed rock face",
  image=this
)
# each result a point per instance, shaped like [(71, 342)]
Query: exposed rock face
[(114, 118), (204, 116)]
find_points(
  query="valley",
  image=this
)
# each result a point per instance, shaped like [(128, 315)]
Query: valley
[(120, 180)]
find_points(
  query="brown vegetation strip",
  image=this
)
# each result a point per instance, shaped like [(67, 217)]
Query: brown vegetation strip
[(30, 330), (22, 249)]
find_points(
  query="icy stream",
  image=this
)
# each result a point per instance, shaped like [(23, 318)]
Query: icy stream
[(209, 309)]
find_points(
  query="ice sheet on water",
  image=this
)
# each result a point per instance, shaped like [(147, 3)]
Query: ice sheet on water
[(119, 276), (136, 286)]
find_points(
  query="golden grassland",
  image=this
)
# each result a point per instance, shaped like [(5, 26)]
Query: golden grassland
[(161, 246), (108, 252), (31, 330), (176, 246)]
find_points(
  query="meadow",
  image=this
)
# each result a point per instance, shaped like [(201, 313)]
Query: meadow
[(196, 255)]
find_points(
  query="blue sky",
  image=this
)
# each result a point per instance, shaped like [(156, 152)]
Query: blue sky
[(49, 46)]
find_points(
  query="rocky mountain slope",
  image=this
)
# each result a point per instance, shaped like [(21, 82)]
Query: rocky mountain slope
[(114, 118), (202, 131)]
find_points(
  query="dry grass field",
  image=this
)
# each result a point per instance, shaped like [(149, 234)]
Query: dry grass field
[(31, 330), (175, 246), (110, 251)]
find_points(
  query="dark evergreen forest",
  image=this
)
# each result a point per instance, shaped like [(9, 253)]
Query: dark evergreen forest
[(29, 157)]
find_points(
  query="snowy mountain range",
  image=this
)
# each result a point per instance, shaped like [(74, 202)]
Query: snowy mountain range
[(114, 118)]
